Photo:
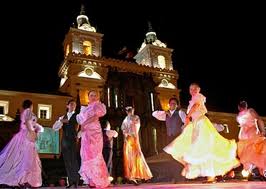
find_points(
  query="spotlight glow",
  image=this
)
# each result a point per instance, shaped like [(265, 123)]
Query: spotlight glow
[(245, 173), (110, 178)]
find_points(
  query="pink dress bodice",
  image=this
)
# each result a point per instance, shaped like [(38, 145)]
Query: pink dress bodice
[(93, 109), (248, 124), (27, 114)]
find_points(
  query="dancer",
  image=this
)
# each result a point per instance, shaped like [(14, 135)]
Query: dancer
[(68, 143), (174, 119), (108, 136), (252, 141), (93, 169), (135, 166), (20, 164), (200, 148)]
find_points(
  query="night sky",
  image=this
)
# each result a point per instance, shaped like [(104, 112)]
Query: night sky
[(219, 46)]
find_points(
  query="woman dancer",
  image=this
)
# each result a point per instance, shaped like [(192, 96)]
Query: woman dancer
[(93, 169), (200, 148), (20, 164), (135, 166), (252, 141)]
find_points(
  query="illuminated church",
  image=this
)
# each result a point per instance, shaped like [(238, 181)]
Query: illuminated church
[(84, 68), (146, 84)]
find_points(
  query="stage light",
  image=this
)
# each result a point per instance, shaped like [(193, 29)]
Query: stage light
[(110, 178), (245, 173)]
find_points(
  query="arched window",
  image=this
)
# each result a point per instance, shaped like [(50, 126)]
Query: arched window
[(161, 61), (87, 47), (67, 49)]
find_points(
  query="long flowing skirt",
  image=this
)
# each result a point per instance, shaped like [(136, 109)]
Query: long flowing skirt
[(253, 151), (205, 151), (20, 162), (93, 169), (135, 166)]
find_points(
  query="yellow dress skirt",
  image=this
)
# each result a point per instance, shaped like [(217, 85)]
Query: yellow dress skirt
[(205, 151)]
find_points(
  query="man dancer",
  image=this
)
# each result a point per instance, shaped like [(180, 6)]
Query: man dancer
[(69, 124), (174, 118), (108, 136)]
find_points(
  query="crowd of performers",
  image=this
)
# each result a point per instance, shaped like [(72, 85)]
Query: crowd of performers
[(192, 139)]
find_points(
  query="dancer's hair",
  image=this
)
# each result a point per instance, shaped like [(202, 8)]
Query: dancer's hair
[(243, 104), (175, 99), (26, 104)]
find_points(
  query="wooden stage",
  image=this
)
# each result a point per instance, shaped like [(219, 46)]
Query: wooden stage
[(190, 185)]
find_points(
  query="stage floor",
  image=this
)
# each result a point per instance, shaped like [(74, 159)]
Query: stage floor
[(191, 185)]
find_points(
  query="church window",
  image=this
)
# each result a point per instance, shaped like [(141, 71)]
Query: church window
[(87, 48), (161, 61), (2, 110), (44, 111), (4, 107), (67, 49)]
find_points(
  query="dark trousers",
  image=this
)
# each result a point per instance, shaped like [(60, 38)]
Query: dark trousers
[(69, 152), (108, 158)]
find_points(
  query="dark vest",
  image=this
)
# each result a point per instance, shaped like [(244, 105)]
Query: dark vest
[(69, 128), (174, 124)]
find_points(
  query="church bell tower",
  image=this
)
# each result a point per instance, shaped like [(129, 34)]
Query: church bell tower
[(155, 54), (78, 72)]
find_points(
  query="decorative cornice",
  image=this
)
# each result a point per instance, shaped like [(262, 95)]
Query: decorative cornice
[(42, 95), (75, 30), (106, 62)]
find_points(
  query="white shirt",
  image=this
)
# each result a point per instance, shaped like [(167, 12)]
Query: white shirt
[(69, 114), (111, 133), (58, 124), (161, 115), (171, 112)]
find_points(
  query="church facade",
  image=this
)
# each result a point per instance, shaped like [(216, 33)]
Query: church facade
[(146, 84)]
